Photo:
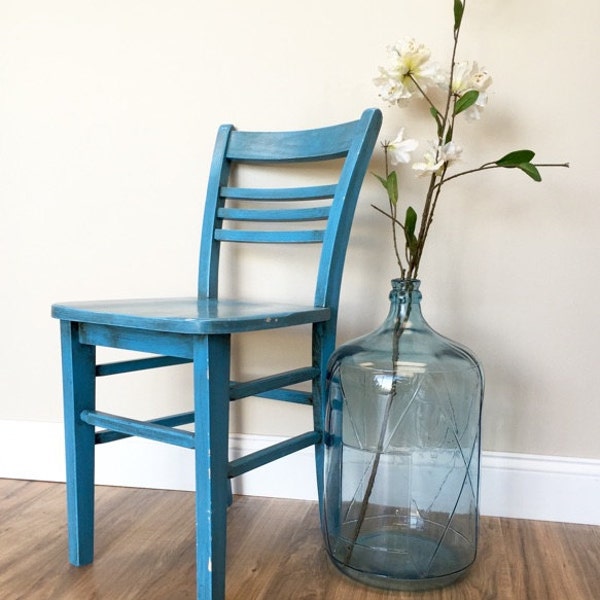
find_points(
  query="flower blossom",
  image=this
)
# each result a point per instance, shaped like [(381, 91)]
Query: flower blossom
[(468, 76), (435, 158), (409, 70), (399, 150)]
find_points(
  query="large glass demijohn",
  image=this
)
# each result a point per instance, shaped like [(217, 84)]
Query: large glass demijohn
[(402, 452)]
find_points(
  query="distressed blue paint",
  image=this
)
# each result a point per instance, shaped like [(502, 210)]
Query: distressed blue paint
[(78, 368), (313, 236), (199, 329), (141, 364), (309, 192), (105, 436), (266, 455), (295, 396), (211, 405), (140, 340), (273, 382), (278, 215), (325, 143), (185, 316), (130, 427)]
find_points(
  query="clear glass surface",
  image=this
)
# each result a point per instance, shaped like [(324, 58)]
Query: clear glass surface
[(402, 452)]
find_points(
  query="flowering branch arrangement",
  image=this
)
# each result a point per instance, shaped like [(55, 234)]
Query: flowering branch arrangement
[(412, 75)]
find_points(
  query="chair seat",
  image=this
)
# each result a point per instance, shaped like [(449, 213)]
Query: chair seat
[(190, 315)]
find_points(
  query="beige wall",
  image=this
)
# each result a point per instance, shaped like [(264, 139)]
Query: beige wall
[(108, 111)]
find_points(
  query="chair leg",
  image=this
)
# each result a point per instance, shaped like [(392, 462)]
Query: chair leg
[(211, 400), (323, 347), (79, 364)]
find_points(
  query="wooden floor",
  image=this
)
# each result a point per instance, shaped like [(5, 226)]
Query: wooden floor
[(145, 550)]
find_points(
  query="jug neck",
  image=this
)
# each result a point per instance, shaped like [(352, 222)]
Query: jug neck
[(405, 301)]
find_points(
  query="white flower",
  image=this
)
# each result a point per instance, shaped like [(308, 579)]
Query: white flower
[(468, 76), (409, 63), (399, 150), (450, 152), (435, 158), (430, 164)]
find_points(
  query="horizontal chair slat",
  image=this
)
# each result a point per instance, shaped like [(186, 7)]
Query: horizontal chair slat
[(270, 237), (299, 214), (280, 147), (312, 192)]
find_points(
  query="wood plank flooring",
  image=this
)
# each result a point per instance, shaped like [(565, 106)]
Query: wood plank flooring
[(145, 550)]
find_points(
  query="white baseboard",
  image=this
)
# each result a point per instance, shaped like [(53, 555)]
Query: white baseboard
[(512, 485)]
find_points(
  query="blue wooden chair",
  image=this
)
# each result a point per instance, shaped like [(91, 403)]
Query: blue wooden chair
[(199, 329)]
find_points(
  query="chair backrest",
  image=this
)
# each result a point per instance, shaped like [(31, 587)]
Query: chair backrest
[(302, 214)]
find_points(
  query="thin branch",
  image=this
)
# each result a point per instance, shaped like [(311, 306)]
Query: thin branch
[(422, 91), (487, 166), (394, 219), (566, 165)]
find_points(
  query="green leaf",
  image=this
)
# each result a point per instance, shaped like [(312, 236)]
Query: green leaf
[(391, 186), (410, 221), (381, 180), (459, 9), (449, 134), (520, 159), (435, 113), (516, 158), (465, 101), (530, 170), (410, 224)]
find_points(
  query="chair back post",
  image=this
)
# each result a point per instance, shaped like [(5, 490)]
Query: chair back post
[(335, 243), (208, 268), (331, 265)]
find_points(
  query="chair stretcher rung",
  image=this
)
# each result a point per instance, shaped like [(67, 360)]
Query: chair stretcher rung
[(294, 396), (272, 382), (126, 366), (274, 452), (103, 437), (148, 430)]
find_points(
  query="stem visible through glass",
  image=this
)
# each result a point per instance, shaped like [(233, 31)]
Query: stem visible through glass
[(400, 323)]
